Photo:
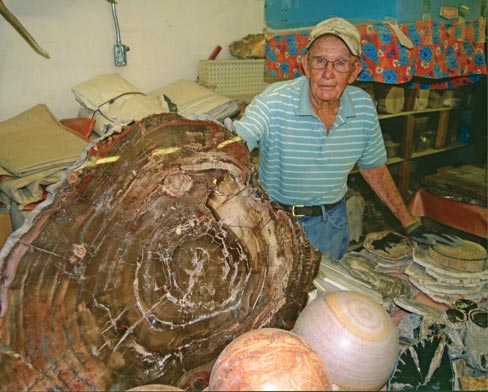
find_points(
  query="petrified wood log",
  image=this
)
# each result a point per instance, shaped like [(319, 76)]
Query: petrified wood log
[(147, 261)]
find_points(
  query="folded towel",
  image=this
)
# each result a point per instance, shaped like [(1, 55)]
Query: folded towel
[(34, 141)]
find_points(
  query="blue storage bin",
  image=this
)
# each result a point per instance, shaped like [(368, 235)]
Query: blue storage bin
[(292, 14)]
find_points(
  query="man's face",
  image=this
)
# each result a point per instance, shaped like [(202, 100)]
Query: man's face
[(328, 83)]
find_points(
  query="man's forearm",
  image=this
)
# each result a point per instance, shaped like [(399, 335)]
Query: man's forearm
[(381, 181)]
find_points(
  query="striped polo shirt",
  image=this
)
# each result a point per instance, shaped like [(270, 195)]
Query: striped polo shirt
[(299, 163)]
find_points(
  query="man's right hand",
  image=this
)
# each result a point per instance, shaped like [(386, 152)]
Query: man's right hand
[(229, 124)]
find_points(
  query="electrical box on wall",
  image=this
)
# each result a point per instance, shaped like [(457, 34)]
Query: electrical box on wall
[(290, 14)]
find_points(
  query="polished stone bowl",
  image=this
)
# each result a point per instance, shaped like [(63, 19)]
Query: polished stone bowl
[(354, 336), (268, 359)]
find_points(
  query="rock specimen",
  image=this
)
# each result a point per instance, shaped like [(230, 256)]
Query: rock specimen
[(269, 359), (252, 46), (355, 337), (391, 250), (447, 277), (145, 262)]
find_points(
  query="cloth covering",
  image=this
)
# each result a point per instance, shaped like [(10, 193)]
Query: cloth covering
[(82, 126), (466, 217), (28, 189), (34, 141), (113, 101), (440, 51), (192, 98), (35, 151)]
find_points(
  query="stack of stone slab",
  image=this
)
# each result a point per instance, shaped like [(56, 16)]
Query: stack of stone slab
[(446, 273)]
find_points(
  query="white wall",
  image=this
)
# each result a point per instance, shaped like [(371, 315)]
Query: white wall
[(167, 38)]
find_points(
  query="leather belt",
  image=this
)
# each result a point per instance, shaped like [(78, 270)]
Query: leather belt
[(298, 210)]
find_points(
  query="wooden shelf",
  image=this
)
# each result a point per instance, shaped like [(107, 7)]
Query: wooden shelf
[(427, 152), (423, 111), (407, 150), (431, 151)]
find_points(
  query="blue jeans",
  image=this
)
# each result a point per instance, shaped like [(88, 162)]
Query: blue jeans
[(328, 232)]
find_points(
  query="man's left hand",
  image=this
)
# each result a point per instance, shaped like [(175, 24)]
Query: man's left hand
[(423, 235)]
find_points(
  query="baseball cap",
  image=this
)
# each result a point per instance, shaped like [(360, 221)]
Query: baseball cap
[(342, 29)]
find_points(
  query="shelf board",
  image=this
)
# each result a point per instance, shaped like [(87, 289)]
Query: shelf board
[(420, 154), (431, 151), (414, 112), (393, 160)]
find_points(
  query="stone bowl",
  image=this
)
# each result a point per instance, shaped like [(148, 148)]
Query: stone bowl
[(355, 337)]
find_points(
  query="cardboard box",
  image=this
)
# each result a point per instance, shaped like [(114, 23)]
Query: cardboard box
[(454, 10), (5, 227), (292, 14)]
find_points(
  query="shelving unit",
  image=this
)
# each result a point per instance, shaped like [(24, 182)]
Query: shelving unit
[(407, 151), (408, 154), (441, 134)]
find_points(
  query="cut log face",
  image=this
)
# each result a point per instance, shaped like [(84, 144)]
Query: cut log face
[(152, 256)]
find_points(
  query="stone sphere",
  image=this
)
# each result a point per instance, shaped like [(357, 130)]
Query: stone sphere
[(355, 337), (268, 359)]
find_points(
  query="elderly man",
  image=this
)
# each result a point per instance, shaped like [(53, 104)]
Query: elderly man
[(313, 130)]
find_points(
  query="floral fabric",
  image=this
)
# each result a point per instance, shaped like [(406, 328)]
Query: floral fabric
[(443, 56)]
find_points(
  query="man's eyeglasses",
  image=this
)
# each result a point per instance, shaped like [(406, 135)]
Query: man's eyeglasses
[(340, 65)]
